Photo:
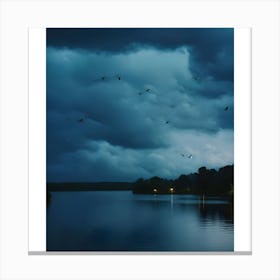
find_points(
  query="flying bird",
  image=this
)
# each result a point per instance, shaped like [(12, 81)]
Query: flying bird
[(105, 78), (102, 78), (187, 155), (82, 119), (167, 122), (148, 90), (226, 108)]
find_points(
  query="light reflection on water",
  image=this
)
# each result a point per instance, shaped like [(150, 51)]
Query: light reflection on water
[(121, 221)]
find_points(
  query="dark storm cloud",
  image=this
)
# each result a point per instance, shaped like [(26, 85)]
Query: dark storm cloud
[(105, 130), (212, 48)]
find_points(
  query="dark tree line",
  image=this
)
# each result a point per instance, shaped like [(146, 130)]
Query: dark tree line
[(205, 182)]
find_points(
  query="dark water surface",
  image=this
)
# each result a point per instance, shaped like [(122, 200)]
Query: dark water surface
[(121, 221)]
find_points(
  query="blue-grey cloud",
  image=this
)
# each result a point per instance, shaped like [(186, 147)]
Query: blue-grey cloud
[(212, 48), (113, 128)]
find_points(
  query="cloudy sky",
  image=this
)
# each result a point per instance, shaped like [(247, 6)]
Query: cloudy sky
[(129, 103)]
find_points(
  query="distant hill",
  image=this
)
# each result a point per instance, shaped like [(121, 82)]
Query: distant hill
[(97, 186)]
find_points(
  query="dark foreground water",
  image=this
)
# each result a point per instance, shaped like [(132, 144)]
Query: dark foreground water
[(121, 221)]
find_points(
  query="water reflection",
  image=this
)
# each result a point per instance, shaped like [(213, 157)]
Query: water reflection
[(216, 212), (121, 221)]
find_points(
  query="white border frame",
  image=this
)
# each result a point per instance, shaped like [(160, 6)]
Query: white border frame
[(17, 16), (242, 145), (37, 140), (242, 140)]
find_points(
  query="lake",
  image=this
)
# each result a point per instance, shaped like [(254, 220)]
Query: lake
[(123, 221)]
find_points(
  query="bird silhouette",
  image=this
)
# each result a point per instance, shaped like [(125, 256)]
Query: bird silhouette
[(106, 78), (83, 118), (226, 108), (187, 155)]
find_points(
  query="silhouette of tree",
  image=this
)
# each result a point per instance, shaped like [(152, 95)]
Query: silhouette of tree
[(207, 182)]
